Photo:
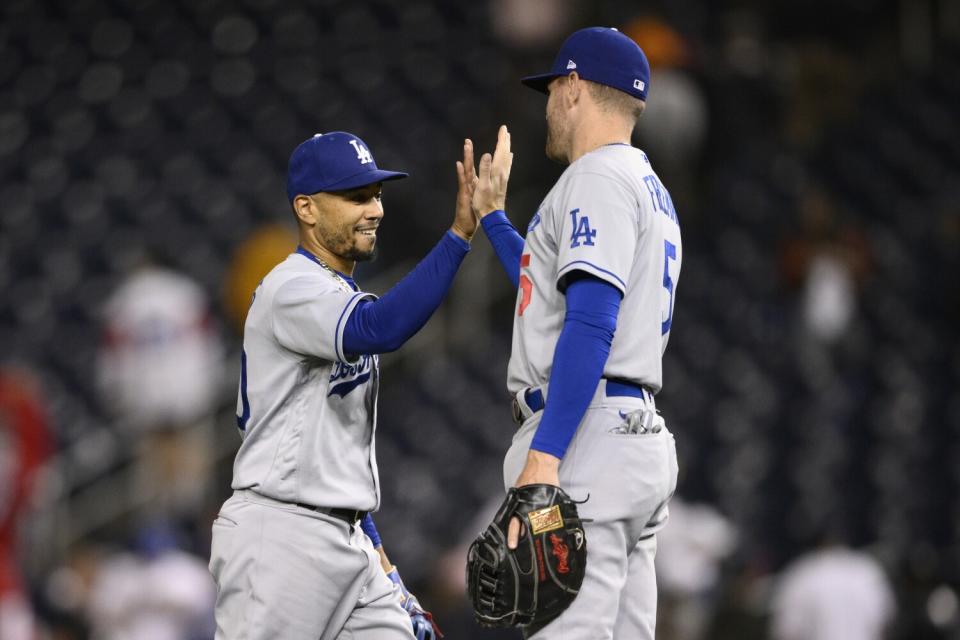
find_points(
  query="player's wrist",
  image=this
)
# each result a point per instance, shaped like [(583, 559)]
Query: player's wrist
[(543, 459), (541, 468), (461, 233), (395, 578), (486, 208)]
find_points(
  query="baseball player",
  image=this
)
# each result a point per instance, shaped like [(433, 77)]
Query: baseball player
[(596, 279), (295, 553)]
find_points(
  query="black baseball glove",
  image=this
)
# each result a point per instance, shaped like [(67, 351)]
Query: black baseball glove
[(531, 585)]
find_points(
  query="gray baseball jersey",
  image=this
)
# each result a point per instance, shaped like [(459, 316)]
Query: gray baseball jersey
[(610, 216), (306, 411)]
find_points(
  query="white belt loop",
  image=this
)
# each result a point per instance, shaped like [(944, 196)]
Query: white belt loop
[(521, 410), (520, 403)]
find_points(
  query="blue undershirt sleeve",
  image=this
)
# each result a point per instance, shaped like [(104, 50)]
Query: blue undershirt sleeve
[(371, 530), (383, 325), (506, 241), (578, 361)]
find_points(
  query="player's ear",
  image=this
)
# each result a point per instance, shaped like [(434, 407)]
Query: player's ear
[(575, 87), (305, 209)]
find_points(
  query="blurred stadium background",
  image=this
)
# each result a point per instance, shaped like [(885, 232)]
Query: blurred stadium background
[(813, 377)]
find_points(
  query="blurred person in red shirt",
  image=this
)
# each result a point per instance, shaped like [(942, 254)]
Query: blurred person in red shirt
[(25, 444)]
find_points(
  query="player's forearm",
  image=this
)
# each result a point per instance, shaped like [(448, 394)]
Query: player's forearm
[(581, 354), (506, 241), (370, 529), (384, 325), (385, 561)]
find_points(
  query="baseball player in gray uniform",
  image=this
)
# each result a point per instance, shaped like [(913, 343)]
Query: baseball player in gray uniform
[(596, 280), (295, 554)]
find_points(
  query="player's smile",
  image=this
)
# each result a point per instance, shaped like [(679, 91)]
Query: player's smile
[(367, 235), (346, 227), (370, 232)]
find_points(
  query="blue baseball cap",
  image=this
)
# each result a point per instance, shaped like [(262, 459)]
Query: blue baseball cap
[(333, 162), (602, 55)]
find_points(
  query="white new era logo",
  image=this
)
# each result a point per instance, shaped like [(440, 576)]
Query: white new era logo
[(571, 64), (639, 84)]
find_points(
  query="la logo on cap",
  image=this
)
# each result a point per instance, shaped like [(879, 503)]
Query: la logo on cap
[(363, 154), (571, 64)]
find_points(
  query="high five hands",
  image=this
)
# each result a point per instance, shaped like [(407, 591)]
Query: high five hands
[(480, 195), (490, 191)]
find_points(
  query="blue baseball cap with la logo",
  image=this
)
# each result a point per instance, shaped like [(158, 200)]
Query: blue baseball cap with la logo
[(602, 55), (333, 161)]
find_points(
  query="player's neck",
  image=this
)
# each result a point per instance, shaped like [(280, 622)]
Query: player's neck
[(332, 260), (595, 134)]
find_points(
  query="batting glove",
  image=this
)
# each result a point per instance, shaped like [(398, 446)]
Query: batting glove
[(424, 627)]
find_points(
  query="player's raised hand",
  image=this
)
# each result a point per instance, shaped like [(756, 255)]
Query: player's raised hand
[(491, 191), (465, 221)]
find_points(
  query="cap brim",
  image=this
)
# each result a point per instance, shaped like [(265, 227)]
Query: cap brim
[(365, 178), (540, 82)]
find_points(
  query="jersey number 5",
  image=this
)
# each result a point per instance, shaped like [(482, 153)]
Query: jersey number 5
[(669, 251), (526, 285)]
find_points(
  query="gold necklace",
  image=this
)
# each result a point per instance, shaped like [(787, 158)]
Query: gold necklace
[(333, 272)]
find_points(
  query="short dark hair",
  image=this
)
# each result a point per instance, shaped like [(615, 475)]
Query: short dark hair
[(616, 101)]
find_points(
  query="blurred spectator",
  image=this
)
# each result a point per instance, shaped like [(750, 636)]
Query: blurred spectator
[(251, 261), (742, 601), (153, 592), (829, 296), (163, 594), (65, 593), (524, 24), (674, 124), (160, 370), (161, 357), (690, 550), (832, 593), (25, 444), (826, 260)]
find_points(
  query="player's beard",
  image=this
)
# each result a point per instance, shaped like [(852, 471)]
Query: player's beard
[(355, 253), (556, 147), (344, 244)]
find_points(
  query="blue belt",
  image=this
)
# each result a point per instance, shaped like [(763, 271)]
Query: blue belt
[(616, 388)]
